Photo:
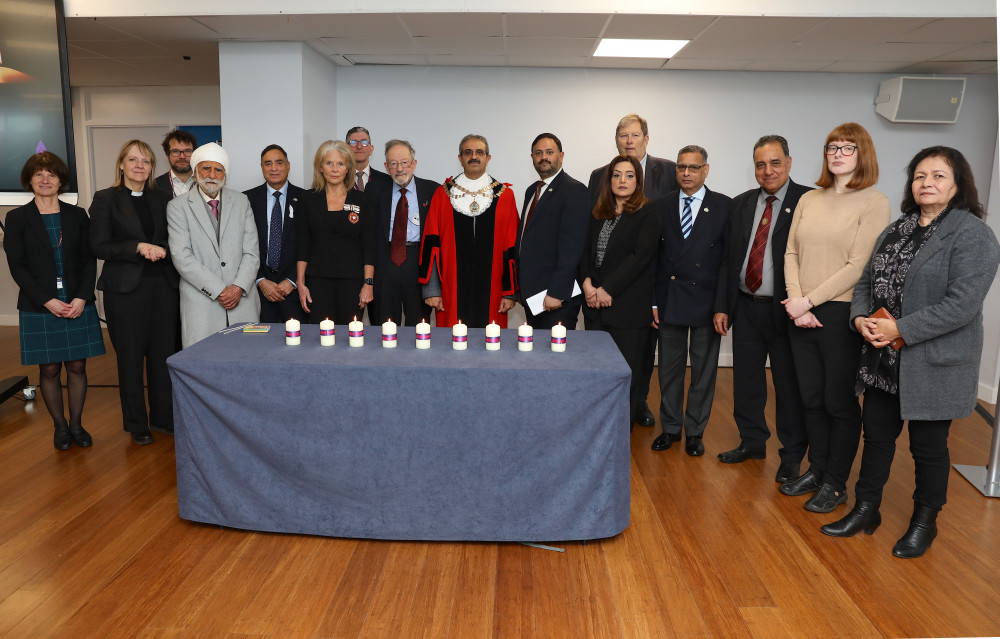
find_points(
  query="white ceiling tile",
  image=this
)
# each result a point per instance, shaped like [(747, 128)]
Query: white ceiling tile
[(375, 26), (752, 29), (92, 29), (368, 46), (864, 29), (471, 60), (696, 64), (626, 63), (552, 61), (866, 66), (273, 28), (899, 51), (951, 67), (954, 30), (728, 50), (657, 26), (460, 45), (984, 51), (550, 25), (454, 24), (388, 59), (789, 65), (551, 46), (160, 28)]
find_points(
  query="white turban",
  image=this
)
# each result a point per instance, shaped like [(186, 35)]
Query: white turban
[(210, 152)]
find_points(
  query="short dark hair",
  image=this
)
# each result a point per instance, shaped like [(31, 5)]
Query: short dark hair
[(550, 136), (272, 147), (605, 207), (48, 161), (357, 129), (474, 136), (966, 195), (772, 139), (694, 148), (178, 135)]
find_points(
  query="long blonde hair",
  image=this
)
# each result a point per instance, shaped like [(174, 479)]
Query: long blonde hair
[(319, 182)]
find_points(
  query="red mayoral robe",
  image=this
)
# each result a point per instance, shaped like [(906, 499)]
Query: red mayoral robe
[(442, 244)]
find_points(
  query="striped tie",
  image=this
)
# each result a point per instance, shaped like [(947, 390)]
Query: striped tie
[(686, 221)]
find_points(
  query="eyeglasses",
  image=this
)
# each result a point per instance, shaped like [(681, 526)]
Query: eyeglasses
[(362, 143), (176, 153), (694, 168), (847, 149), (404, 164)]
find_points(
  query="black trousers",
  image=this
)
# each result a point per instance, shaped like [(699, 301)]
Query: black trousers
[(142, 325), (631, 342), (826, 361), (675, 346), (280, 312), (648, 359), (755, 338), (335, 298), (398, 295), (928, 445)]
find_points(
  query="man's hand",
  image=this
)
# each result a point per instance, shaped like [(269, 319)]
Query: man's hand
[(721, 323), (506, 304), (230, 297), (435, 303), (656, 318), (285, 287), (270, 290), (550, 303)]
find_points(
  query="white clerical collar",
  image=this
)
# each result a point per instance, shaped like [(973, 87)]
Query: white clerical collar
[(474, 196)]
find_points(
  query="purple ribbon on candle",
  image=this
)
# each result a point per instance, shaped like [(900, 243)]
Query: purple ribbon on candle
[(293, 333), (524, 338), (423, 336), (492, 340), (326, 332), (558, 340), (360, 333), (391, 337), (460, 338)]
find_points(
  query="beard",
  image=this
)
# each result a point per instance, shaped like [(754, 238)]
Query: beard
[(210, 187)]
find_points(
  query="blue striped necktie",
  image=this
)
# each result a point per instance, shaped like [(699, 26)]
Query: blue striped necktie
[(274, 233), (686, 222)]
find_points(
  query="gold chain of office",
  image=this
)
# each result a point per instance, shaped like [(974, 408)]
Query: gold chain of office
[(474, 206)]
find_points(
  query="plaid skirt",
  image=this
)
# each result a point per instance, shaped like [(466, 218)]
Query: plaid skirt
[(46, 339)]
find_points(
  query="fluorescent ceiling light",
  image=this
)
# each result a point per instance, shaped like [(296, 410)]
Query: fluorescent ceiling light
[(616, 48)]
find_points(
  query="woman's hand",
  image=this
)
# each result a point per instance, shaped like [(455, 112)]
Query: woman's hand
[(57, 307), (367, 295), (807, 320), (151, 252), (75, 308), (877, 332), (797, 306), (304, 298)]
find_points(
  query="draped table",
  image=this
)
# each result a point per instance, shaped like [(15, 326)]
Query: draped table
[(403, 443)]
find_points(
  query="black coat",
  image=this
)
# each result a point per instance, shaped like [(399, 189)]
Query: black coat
[(292, 203), (32, 261), (380, 197), (336, 244)]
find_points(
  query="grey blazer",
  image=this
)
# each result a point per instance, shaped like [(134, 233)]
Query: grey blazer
[(207, 266), (942, 317)]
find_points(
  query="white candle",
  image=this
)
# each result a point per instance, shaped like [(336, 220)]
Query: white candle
[(524, 337), (389, 334), (460, 336), (423, 335), (492, 336), (356, 333), (327, 333), (293, 332), (559, 338)]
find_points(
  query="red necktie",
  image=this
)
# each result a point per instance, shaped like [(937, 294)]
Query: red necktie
[(397, 245), (359, 184), (215, 207), (755, 263), (534, 201)]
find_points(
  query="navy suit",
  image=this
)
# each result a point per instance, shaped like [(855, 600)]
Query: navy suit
[(760, 330), (550, 246), (684, 291), (398, 294), (275, 312)]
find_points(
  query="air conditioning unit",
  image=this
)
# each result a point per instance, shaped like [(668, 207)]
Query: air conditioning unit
[(920, 99)]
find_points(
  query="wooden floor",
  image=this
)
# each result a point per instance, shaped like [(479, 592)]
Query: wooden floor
[(91, 546)]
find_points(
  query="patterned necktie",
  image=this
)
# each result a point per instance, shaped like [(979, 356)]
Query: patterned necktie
[(755, 262), (359, 184), (215, 208), (534, 201), (686, 220), (397, 245), (274, 233)]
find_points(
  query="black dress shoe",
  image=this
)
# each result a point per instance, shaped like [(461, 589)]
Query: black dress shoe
[(864, 516), (665, 441), (62, 440), (80, 437), (694, 447), (920, 534), (740, 455), (645, 416), (826, 499), (808, 482), (142, 438), (787, 471)]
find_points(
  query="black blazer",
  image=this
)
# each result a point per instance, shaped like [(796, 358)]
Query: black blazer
[(333, 244), (687, 271), (32, 262), (659, 179), (115, 232), (164, 186), (377, 180), (550, 248), (625, 273), (738, 243), (289, 236), (380, 197)]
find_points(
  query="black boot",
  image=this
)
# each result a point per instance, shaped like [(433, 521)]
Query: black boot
[(920, 534), (864, 516)]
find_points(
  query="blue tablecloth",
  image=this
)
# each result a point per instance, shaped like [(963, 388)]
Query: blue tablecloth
[(404, 443)]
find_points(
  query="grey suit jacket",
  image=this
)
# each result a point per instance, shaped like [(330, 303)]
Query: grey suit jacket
[(207, 266), (942, 317)]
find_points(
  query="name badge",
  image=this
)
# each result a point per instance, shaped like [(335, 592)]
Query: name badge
[(59, 283)]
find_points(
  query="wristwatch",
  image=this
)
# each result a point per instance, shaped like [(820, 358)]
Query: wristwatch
[(369, 281)]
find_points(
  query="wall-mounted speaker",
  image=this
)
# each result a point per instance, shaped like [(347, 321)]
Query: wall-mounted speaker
[(920, 99)]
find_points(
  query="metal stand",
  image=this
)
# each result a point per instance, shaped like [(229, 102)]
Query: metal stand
[(986, 479)]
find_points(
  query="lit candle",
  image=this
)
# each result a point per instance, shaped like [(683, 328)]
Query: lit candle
[(492, 336), (524, 337), (356, 333), (327, 333), (559, 338), (423, 335), (389, 334), (293, 332), (460, 336)]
